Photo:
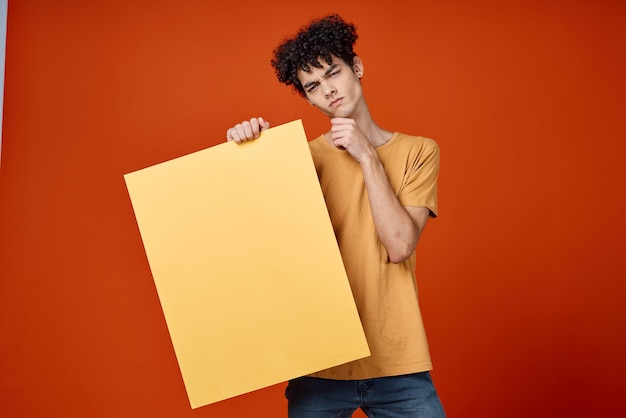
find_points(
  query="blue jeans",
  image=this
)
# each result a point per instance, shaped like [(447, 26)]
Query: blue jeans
[(405, 396)]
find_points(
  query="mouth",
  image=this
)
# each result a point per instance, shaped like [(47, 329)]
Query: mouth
[(336, 102)]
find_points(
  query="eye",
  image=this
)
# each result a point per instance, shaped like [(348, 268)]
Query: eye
[(312, 88), (334, 73)]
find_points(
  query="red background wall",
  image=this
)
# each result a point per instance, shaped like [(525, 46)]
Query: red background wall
[(521, 277)]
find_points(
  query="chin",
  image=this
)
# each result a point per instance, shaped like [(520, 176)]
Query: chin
[(342, 115)]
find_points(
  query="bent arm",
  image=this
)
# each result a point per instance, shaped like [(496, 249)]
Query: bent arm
[(398, 227)]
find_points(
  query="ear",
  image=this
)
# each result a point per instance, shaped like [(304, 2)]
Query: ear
[(357, 66)]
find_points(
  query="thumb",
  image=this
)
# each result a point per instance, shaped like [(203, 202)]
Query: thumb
[(264, 124)]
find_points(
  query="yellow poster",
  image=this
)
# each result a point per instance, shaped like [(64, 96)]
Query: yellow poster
[(246, 265)]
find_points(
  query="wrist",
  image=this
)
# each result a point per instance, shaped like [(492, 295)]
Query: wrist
[(369, 159)]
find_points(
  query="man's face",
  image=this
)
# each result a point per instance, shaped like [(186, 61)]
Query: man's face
[(335, 88)]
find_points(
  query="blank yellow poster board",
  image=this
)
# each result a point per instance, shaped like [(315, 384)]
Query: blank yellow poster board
[(246, 265)]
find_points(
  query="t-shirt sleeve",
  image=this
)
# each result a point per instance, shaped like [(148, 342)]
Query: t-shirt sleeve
[(419, 187)]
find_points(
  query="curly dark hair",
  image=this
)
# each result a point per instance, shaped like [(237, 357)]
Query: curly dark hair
[(323, 37)]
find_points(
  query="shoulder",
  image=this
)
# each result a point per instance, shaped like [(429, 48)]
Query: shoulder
[(317, 144), (413, 146), (319, 150), (416, 141)]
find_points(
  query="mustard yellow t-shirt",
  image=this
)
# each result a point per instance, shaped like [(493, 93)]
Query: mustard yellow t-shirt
[(385, 293)]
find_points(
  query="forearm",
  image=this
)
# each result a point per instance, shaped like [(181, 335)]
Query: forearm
[(395, 228)]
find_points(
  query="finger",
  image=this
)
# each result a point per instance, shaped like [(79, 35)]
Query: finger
[(247, 129), (254, 126), (340, 144), (340, 128), (264, 124), (231, 135), (338, 133), (240, 132), (342, 121)]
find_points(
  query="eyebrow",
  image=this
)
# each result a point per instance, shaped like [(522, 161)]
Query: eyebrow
[(326, 73)]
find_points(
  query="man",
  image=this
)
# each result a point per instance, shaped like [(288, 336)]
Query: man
[(380, 188)]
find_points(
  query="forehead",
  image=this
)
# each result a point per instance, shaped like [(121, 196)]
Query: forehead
[(315, 73)]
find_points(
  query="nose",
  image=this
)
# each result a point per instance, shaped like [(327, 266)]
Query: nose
[(328, 88)]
